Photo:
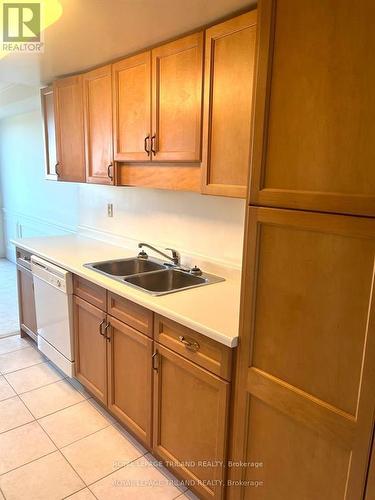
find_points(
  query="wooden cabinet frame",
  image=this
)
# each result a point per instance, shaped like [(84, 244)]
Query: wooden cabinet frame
[(46, 94), (325, 201)]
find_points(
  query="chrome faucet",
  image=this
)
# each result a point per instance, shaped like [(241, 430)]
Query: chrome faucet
[(175, 255)]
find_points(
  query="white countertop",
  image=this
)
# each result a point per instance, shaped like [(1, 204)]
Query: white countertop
[(212, 310)]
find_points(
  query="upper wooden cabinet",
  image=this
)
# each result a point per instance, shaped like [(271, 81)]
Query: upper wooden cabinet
[(314, 108), (132, 108), (229, 67), (48, 117), (97, 93), (168, 126), (68, 100), (177, 99)]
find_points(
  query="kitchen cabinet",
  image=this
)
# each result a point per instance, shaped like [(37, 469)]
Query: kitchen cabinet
[(49, 133), (90, 348), (304, 398), (229, 68), (26, 301), (190, 421), (69, 121), (113, 359), (130, 378), (97, 95), (177, 99), (313, 123), (157, 116), (132, 108)]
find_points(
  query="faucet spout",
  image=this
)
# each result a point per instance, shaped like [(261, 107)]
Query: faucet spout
[(175, 258)]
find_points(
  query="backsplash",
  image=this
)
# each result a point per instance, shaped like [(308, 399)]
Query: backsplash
[(207, 228)]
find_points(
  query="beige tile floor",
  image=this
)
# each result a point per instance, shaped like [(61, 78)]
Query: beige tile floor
[(56, 442)]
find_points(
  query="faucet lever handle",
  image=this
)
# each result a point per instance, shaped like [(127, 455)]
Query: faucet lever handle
[(175, 255)]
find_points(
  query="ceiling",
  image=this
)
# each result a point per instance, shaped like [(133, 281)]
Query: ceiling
[(91, 32)]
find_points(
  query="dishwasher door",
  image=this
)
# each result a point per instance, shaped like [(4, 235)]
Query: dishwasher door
[(53, 304)]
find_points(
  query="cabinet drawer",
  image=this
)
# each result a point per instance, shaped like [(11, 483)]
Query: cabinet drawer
[(90, 292), (202, 350), (130, 313)]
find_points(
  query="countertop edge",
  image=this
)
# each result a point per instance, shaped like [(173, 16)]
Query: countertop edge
[(231, 342)]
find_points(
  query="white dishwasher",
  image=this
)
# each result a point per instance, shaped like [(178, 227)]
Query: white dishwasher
[(53, 288)]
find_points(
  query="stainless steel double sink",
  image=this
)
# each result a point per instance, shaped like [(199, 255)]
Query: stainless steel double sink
[(152, 275)]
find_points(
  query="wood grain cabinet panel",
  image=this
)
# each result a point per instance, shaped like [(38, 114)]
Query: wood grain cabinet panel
[(68, 98), (130, 378), (177, 98), (90, 348), (86, 290), (304, 400), (229, 68), (132, 108), (97, 94), (49, 129), (313, 125), (131, 313), (190, 421), (205, 352), (26, 302)]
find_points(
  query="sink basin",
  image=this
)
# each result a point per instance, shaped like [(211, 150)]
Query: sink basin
[(125, 267), (166, 281), (151, 275)]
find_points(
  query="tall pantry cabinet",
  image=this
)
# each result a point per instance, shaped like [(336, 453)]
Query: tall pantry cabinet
[(305, 385)]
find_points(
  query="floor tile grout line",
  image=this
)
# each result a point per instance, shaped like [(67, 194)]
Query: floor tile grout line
[(35, 388), (13, 350), (80, 439), (25, 423), (23, 368), (27, 463)]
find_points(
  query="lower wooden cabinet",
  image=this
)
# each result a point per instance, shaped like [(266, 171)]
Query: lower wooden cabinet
[(26, 302), (190, 421), (90, 348), (173, 403), (129, 378)]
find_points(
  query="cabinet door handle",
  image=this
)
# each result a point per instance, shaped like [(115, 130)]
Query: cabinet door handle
[(155, 361), (147, 138), (191, 345), (57, 169), (109, 171), (153, 149), (101, 327), (107, 337)]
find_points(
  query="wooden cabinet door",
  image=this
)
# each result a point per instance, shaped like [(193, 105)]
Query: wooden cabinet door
[(314, 107), (49, 129), (26, 302), (97, 93), (229, 67), (177, 99), (90, 348), (130, 378), (304, 400), (69, 129), (132, 108), (190, 420)]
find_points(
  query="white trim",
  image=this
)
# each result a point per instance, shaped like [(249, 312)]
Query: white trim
[(39, 220)]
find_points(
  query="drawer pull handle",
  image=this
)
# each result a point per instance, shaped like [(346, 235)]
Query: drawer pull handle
[(155, 361), (107, 337), (101, 328), (191, 345)]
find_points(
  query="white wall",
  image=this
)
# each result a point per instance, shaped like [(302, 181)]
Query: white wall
[(31, 205), (208, 227)]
